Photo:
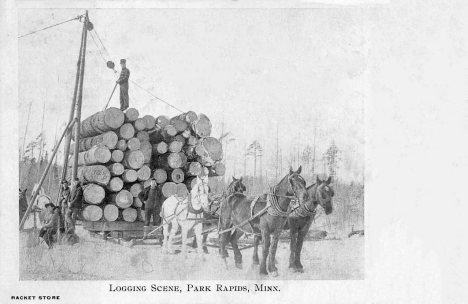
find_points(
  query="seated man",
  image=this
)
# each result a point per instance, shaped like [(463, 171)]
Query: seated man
[(50, 223)]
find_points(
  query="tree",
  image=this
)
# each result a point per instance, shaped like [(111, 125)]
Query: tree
[(332, 157)]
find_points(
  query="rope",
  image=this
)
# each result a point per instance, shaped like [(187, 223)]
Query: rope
[(76, 18), (157, 97), (102, 44)]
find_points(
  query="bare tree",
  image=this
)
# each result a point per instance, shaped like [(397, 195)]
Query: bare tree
[(332, 156)]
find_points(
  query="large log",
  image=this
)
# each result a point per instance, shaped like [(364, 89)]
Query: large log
[(129, 176), (179, 125), (202, 126), (150, 122), (192, 169), (169, 189), (133, 144), (94, 194), (129, 215), (189, 116), (217, 169), (213, 149), (143, 136), (134, 189), (139, 124), (121, 145), (131, 115), (94, 174), (133, 159), (144, 173), (115, 184), (92, 213), (180, 138), (111, 212), (137, 203), (190, 182), (186, 133), (147, 150), (108, 139), (101, 122), (194, 152), (181, 190), (97, 155), (183, 158), (162, 121), (126, 131), (175, 146), (160, 175), (123, 199), (160, 148), (116, 169), (116, 156), (165, 134), (177, 176), (170, 160)]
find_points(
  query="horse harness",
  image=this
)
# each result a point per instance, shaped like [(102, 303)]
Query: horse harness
[(302, 210)]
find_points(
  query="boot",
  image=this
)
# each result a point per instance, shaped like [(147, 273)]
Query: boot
[(145, 232)]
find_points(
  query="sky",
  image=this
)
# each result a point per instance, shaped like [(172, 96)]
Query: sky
[(250, 71)]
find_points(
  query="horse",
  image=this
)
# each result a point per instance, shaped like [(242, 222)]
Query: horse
[(186, 213), (236, 186), (301, 218), (265, 216), (23, 203)]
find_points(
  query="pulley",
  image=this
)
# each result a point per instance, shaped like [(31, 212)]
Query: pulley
[(110, 65), (89, 26)]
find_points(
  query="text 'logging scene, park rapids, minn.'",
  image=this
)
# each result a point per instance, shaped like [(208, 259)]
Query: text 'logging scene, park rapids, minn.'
[(203, 144)]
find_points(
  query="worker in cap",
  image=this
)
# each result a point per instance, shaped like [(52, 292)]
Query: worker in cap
[(123, 82), (49, 224), (152, 199)]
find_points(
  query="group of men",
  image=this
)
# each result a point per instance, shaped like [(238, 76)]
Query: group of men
[(71, 200)]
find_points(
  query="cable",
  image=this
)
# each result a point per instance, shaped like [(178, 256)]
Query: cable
[(98, 47), (156, 97), (76, 18), (102, 44)]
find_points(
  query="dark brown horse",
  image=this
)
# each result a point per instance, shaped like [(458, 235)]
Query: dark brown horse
[(23, 203), (236, 186), (301, 218), (238, 213)]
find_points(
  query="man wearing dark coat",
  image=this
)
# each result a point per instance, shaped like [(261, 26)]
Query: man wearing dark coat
[(123, 82), (152, 199), (74, 206)]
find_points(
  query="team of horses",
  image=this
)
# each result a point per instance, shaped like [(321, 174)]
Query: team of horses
[(288, 205)]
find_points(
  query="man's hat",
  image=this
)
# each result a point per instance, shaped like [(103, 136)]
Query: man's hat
[(123, 61), (49, 204)]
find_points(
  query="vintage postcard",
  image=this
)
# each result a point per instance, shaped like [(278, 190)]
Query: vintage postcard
[(217, 151)]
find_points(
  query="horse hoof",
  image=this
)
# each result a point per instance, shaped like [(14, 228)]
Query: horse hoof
[(239, 265), (274, 274), (263, 273), (300, 270), (293, 269)]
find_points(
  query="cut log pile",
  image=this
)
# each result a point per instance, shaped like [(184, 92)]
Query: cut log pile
[(120, 152)]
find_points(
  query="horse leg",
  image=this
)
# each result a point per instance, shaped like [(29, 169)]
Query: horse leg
[(274, 245), (292, 246), (174, 228), (237, 254), (223, 241), (184, 232), (198, 233), (165, 238), (257, 239), (265, 250), (205, 249), (300, 241)]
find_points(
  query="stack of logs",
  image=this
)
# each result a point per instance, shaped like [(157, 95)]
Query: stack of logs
[(120, 152)]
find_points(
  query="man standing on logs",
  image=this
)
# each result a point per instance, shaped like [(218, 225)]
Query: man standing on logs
[(152, 199), (123, 81), (76, 203)]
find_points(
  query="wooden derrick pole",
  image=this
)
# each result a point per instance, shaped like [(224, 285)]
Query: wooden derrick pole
[(79, 102), (26, 130)]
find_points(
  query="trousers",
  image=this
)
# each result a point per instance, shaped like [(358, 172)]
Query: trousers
[(152, 211), (124, 96), (70, 218)]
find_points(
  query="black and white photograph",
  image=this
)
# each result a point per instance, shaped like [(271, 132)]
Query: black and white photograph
[(233, 151)]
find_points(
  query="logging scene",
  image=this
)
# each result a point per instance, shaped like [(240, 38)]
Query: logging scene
[(202, 124)]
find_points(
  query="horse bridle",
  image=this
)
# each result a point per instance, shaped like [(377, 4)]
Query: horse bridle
[(198, 191)]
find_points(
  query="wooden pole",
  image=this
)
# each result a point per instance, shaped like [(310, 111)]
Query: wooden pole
[(72, 114), (42, 144), (55, 165), (79, 101), (41, 181)]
